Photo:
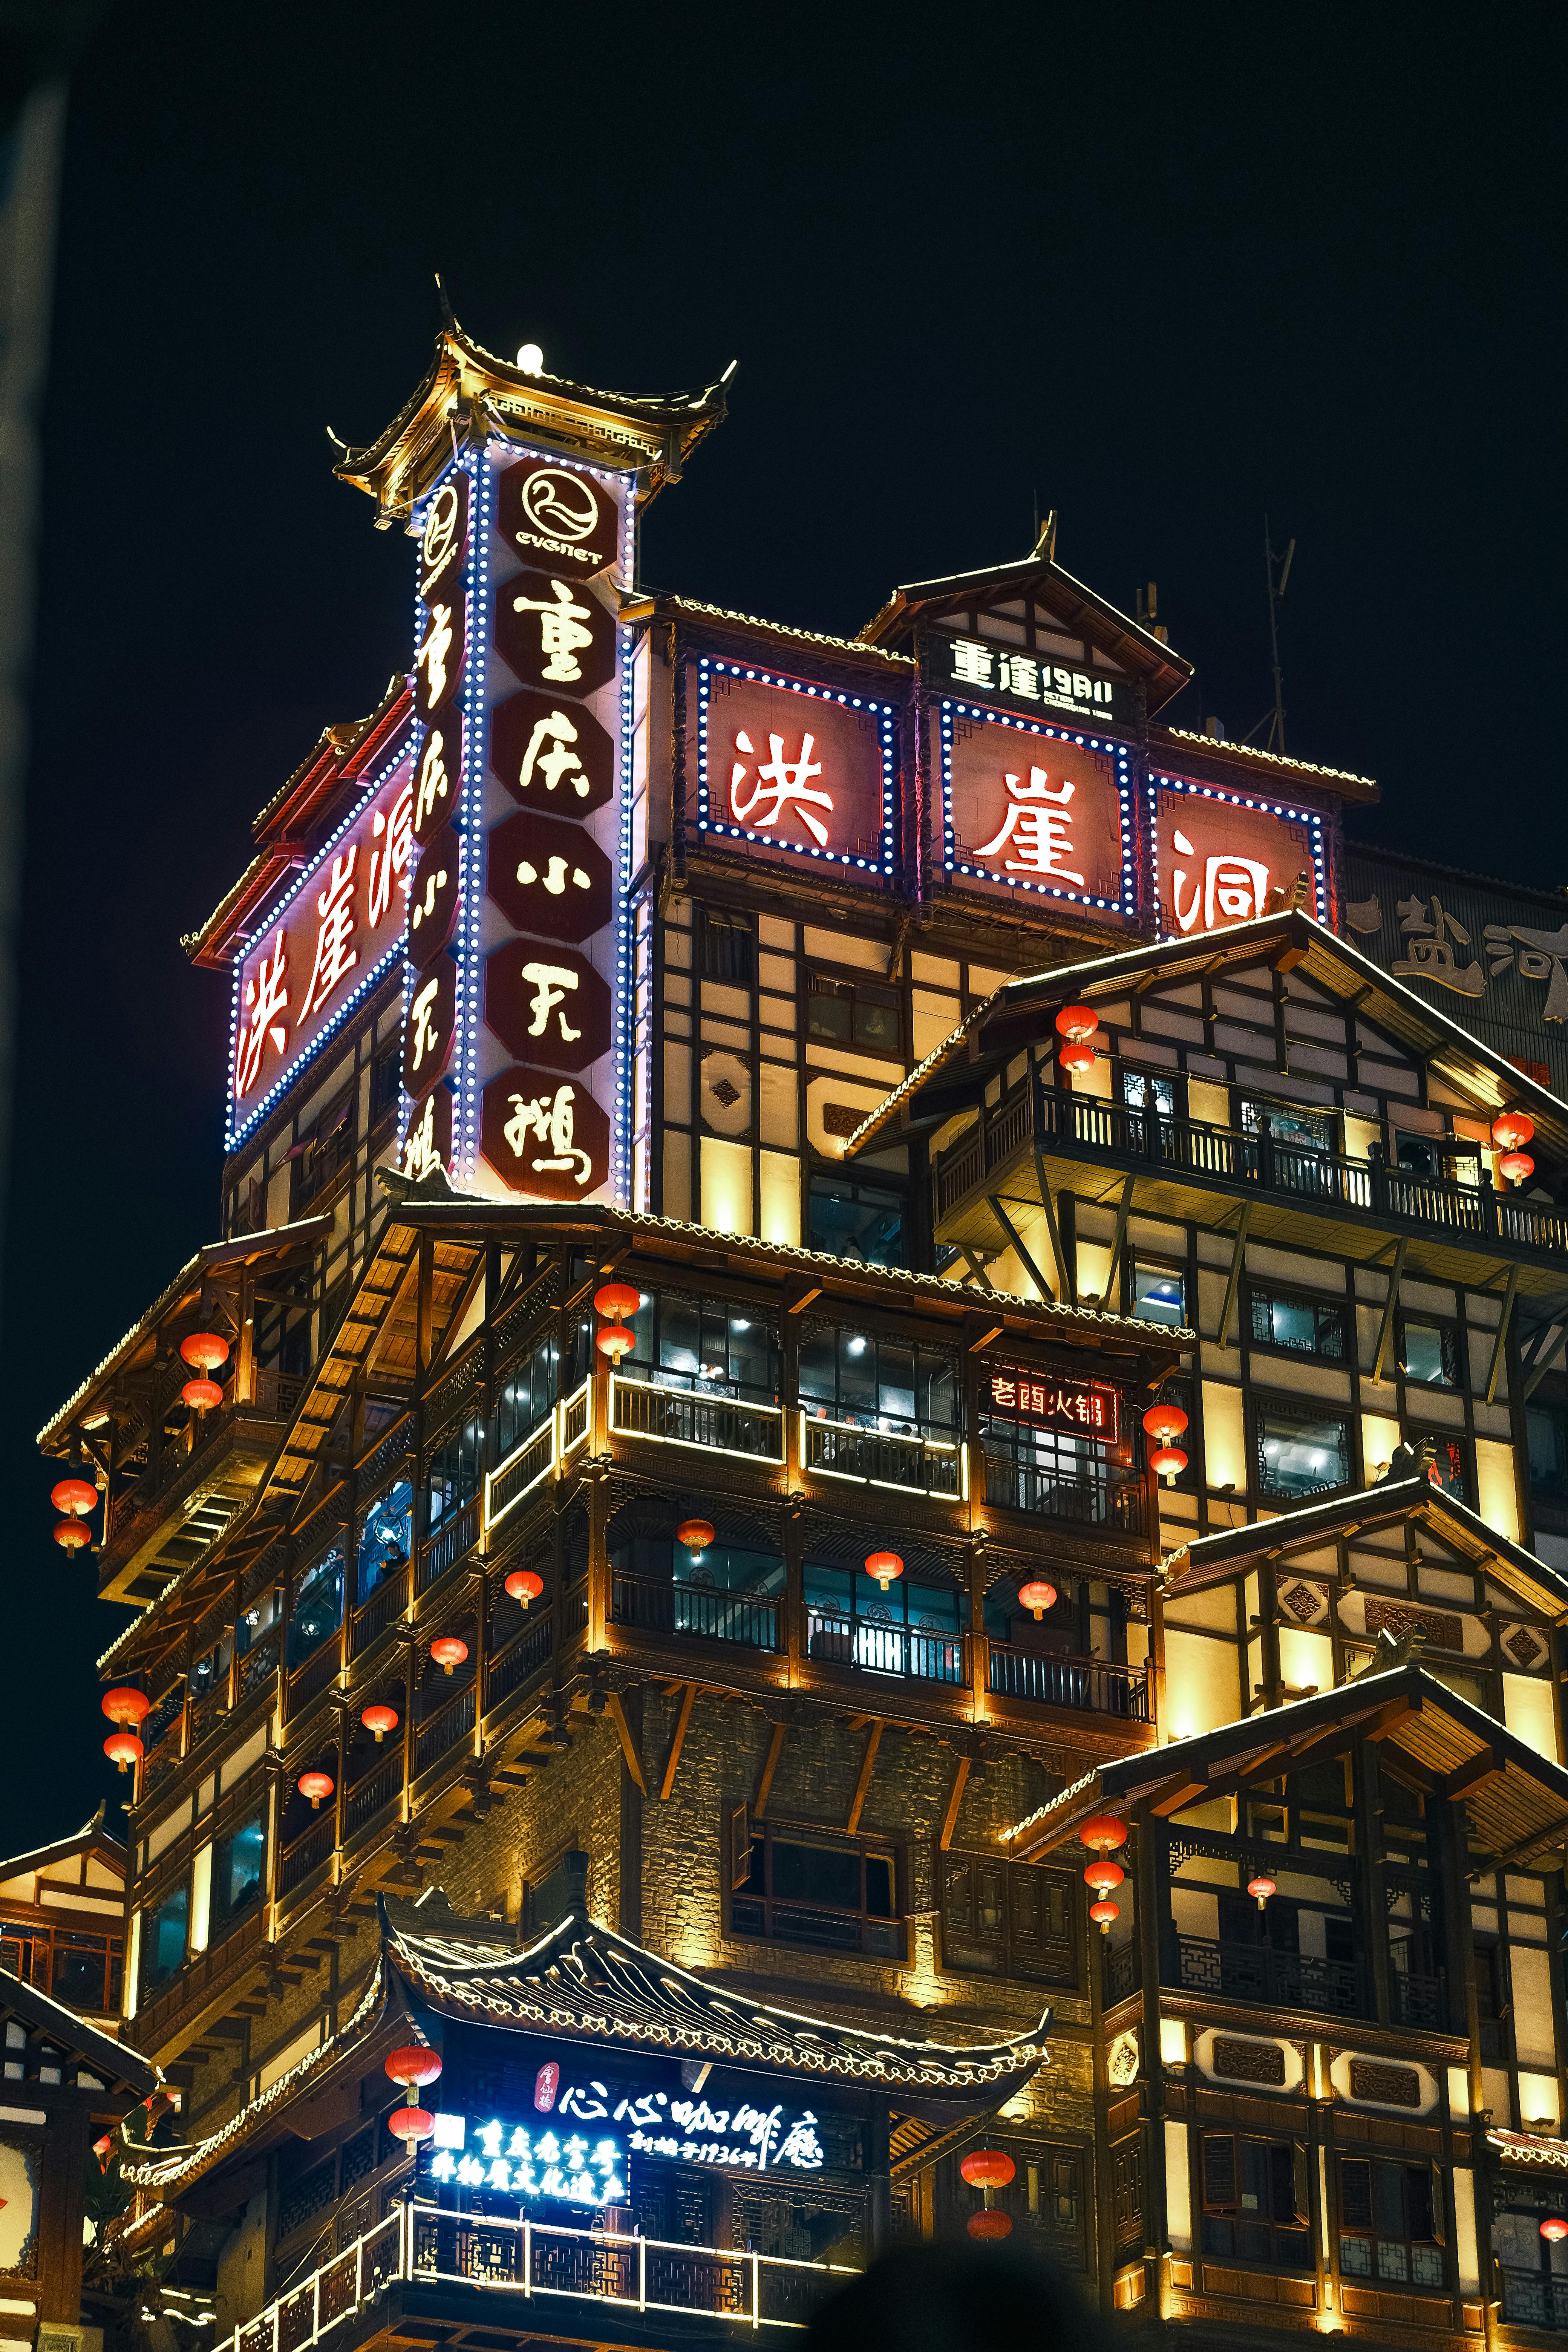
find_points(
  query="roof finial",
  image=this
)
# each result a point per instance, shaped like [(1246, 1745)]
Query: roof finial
[(447, 314), (1046, 542)]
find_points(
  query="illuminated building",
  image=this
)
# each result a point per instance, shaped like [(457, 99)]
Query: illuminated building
[(658, 1696)]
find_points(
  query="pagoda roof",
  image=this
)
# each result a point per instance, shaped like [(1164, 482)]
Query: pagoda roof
[(481, 391), (1185, 749), (91, 1838)]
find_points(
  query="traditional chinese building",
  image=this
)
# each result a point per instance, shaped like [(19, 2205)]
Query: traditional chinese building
[(651, 1550)]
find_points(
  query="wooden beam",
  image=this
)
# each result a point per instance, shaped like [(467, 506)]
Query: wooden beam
[(873, 1741), (1540, 1842), (1066, 1291), (628, 1745), (800, 1297), (1017, 1238), (1237, 1260), (677, 1743), (975, 1268), (1495, 1374), (770, 1766), (1390, 1307), (1117, 1238), (1174, 1799), (1466, 1779), (1544, 1364), (949, 1819)]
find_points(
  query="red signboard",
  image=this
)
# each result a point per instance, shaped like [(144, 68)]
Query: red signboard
[(546, 1135), (339, 927), (1051, 1400), (1031, 812), (555, 515), (792, 769), (1221, 860)]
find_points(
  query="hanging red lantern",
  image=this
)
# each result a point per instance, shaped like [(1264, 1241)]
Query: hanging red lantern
[(885, 1566), (1512, 1129), (202, 1396), (316, 1785), (204, 1350), (1077, 1021), (1262, 1886), (1103, 1875), (74, 1496), (1164, 1422), (621, 1300), (1075, 1057), (449, 1651), (1555, 2229), (1102, 1914), (123, 1748), (413, 2065), (695, 1534), (1516, 1166), (1038, 1596), (381, 1720), (523, 1584), (1103, 1833), (71, 1535), (990, 2222), (1167, 1462), (988, 2168), (410, 2125), (614, 1341), (126, 1707)]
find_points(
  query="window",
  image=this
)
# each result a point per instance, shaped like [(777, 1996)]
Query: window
[(1007, 1919), (1300, 1323), (327, 1150), (1534, 2270), (1142, 1090), (1287, 1124), (282, 1326), (83, 1968), (726, 947), (710, 1345), (911, 1629), (1159, 1293), (163, 1939), (854, 1012), (386, 1536), (1390, 2221), (239, 1861), (1255, 2200), (385, 1080), (1546, 1444), (211, 1673), (1299, 1454), (452, 1473), (808, 1887), (1059, 1475), (526, 1398), (858, 1220), (875, 1383), (1429, 1352), (318, 1606), (1448, 1469), (724, 1592)]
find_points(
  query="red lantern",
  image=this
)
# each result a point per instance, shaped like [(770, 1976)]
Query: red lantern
[(1516, 1166), (1103, 1875), (620, 1299), (202, 1396), (123, 1748), (1103, 1914), (1077, 1021), (72, 1536), (381, 1720), (1263, 1887), (126, 1707), (1555, 2229), (1167, 1462), (316, 1785), (449, 1651), (204, 1351), (614, 1341), (1075, 1057), (1102, 1833), (74, 1496), (413, 2065), (1514, 1128), (695, 1534), (990, 2222), (410, 2125), (1039, 1596), (1164, 1422), (524, 1585), (988, 2168), (884, 1566)]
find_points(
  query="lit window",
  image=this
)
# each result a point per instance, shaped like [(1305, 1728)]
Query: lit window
[(1299, 1454), (1158, 1293)]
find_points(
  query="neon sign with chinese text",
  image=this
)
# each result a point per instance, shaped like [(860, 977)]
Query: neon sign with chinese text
[(1027, 807), (1064, 690), (552, 2157), (785, 766), (1222, 859), (1088, 1408)]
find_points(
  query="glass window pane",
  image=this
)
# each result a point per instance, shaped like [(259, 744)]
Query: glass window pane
[(856, 1373), (858, 1221), (877, 1025), (816, 1873), (1424, 1353), (819, 1368), (1158, 1295), (1300, 1456)]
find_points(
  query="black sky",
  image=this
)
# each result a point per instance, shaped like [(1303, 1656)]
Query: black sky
[(1160, 269)]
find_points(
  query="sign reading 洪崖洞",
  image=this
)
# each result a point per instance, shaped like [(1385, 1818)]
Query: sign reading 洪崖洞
[(1028, 808), (1037, 682), (795, 770), (1223, 857), (1051, 1400), (336, 931)]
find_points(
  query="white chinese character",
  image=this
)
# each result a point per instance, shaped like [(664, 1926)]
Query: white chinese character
[(552, 1122), (552, 983), (445, 2166), (1020, 674), (425, 1038), (782, 781), (970, 662), (563, 636), (548, 2149), (490, 2138), (335, 958), (800, 2144), (518, 2144), (500, 2174), (266, 996), (1234, 890), (420, 1157), (1039, 832), (435, 783), (1428, 945), (470, 2172), (431, 656), (425, 908), (390, 862), (556, 730), (555, 877)]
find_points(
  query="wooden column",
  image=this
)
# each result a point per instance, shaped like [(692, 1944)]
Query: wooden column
[(1151, 1876), (878, 2181)]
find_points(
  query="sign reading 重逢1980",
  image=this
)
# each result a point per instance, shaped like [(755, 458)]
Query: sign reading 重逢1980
[(1086, 1408)]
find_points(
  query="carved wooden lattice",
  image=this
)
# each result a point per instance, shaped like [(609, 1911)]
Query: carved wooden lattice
[(1388, 2087), (1250, 2062)]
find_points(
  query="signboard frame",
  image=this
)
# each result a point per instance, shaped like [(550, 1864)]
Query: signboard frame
[(956, 873)]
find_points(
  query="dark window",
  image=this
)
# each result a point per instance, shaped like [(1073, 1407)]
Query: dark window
[(1447, 1459), (163, 1938), (452, 1473), (239, 1861), (1299, 1322), (1390, 2222), (282, 1326), (854, 1012), (1007, 1919), (1546, 1441), (1255, 2200), (887, 1384), (859, 1221), (808, 1887), (317, 1607), (1429, 1352), (724, 1592), (1143, 1090), (726, 947), (327, 1150), (1294, 1128), (1059, 1475), (211, 1673), (1299, 1454), (712, 1347), (1159, 1293), (385, 1080), (82, 1969)]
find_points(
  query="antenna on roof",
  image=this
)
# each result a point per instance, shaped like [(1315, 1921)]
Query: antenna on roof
[(1148, 612), (1275, 598)]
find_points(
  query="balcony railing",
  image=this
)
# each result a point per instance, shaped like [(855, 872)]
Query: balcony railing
[(450, 1541), (380, 1787), (917, 1653), (443, 1730), (382, 1608), (1533, 2299), (719, 1424), (1286, 1979), (1096, 1685), (1090, 1495), (656, 1605), (526, 1657), (1087, 1124), (522, 1470), (876, 1457), (307, 1853), (1418, 2001)]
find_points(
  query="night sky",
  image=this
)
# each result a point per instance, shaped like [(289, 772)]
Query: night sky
[(1157, 270)]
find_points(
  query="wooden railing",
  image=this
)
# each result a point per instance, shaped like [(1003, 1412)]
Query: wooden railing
[(719, 1424), (658, 1606), (1094, 1686), (878, 1457)]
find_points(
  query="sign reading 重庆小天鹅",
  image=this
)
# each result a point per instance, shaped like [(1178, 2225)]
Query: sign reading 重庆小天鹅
[(795, 770), (1087, 1408), (1037, 682), (1222, 859), (335, 933), (1029, 808)]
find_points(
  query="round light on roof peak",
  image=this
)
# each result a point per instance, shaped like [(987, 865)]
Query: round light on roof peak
[(531, 359)]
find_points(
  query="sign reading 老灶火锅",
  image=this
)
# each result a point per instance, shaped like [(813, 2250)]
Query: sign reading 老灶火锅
[(1053, 1400)]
